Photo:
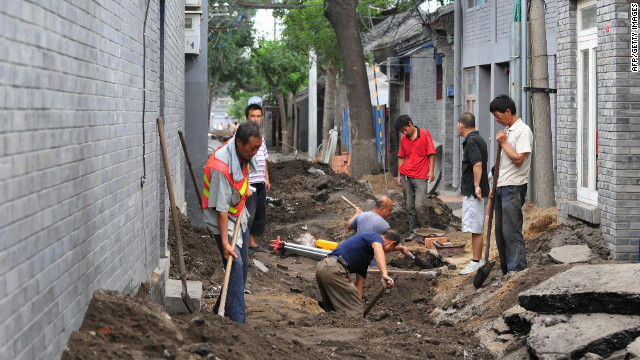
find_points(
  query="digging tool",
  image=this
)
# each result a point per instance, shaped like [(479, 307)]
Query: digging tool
[(227, 272), (483, 272), (176, 225), (375, 300), (348, 202), (420, 262)]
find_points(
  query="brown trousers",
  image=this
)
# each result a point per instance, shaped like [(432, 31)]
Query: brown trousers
[(337, 290)]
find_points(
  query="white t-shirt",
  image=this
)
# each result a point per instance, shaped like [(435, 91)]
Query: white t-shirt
[(520, 137)]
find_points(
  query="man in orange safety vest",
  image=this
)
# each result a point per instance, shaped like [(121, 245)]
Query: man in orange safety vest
[(226, 188)]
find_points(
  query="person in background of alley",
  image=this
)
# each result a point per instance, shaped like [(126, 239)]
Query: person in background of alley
[(352, 256), (515, 161), (416, 160), (259, 181), (474, 187), (226, 186), (372, 221)]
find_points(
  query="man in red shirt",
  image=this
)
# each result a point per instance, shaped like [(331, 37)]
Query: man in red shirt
[(416, 160)]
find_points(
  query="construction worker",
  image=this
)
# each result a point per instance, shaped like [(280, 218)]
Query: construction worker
[(226, 187), (372, 221), (353, 256)]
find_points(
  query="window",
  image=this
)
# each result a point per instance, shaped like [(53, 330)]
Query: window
[(474, 3), (470, 90), (438, 82), (407, 87), (406, 62), (587, 154)]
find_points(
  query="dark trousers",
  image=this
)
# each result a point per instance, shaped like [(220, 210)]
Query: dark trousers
[(415, 200), (257, 208), (234, 307), (508, 206)]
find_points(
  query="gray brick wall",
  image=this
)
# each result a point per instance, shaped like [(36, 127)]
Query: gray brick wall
[(75, 218), (476, 33), (618, 123)]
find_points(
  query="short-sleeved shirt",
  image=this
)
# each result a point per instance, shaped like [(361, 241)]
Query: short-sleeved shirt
[(358, 251), (221, 196), (520, 137), (416, 153), (261, 158), (475, 151), (369, 222)]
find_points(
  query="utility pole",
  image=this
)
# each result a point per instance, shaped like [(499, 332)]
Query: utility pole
[(313, 105)]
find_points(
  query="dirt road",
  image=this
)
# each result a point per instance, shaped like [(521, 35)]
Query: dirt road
[(441, 317)]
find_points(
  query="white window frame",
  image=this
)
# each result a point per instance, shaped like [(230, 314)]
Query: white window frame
[(469, 98), (587, 40)]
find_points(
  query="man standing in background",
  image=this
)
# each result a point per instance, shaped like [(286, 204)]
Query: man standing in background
[(259, 181), (474, 187), (516, 142), (416, 160)]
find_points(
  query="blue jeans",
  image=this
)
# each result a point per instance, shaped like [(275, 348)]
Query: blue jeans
[(234, 307), (415, 200), (508, 207), (257, 208)]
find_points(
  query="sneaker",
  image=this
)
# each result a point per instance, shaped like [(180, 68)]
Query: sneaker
[(411, 237), (258, 248), (252, 253), (472, 267)]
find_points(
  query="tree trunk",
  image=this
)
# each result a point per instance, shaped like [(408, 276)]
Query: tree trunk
[(342, 15), (329, 105), (283, 122), (295, 126), (542, 156), (290, 120)]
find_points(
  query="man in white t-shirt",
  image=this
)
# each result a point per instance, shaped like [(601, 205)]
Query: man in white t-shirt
[(516, 142)]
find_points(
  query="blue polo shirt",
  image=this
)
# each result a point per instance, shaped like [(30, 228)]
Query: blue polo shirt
[(358, 251)]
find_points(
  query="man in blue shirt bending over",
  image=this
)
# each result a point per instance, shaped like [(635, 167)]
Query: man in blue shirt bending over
[(353, 256)]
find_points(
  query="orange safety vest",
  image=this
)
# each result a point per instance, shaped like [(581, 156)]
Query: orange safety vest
[(242, 185)]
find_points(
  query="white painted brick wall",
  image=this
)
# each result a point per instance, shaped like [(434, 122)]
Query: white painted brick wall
[(74, 218)]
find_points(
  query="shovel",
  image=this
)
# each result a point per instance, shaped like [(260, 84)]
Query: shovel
[(420, 262), (176, 225), (485, 269), (375, 300), (227, 271), (348, 202)]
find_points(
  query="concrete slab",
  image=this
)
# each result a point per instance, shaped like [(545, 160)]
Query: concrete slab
[(173, 300), (518, 319), (573, 336), (633, 350), (570, 254), (609, 288)]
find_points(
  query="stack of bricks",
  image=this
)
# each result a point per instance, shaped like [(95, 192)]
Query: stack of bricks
[(341, 163)]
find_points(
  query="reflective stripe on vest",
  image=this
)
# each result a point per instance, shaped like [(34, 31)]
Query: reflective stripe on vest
[(242, 185)]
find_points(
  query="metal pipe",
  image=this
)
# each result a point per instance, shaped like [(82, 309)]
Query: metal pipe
[(524, 50)]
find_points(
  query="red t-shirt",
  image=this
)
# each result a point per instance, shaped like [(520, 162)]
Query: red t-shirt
[(416, 153)]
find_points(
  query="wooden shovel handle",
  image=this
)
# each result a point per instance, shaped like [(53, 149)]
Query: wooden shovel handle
[(227, 273), (492, 196), (348, 202)]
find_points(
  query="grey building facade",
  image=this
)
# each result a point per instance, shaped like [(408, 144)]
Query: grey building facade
[(599, 122), (82, 186)]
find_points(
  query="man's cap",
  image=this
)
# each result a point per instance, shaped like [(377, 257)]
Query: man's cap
[(255, 100)]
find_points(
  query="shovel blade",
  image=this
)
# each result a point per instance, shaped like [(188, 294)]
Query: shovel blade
[(483, 273)]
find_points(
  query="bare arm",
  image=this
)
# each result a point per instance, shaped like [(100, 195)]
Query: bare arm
[(515, 157), (432, 161), (477, 175), (266, 176), (223, 225), (358, 212), (378, 253), (400, 162)]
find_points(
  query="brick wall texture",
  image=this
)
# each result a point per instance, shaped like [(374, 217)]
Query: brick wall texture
[(618, 124), (74, 216)]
